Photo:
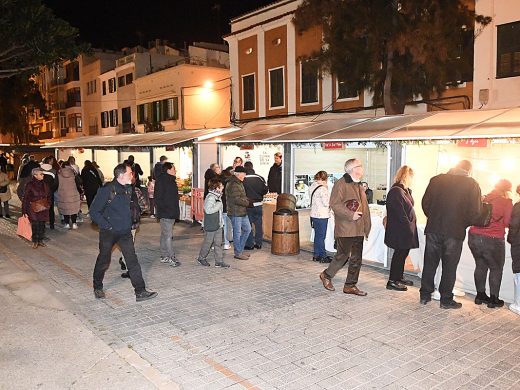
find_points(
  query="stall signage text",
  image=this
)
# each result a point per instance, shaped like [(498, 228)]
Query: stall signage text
[(472, 143), (333, 145), (247, 147)]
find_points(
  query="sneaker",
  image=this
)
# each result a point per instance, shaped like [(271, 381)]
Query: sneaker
[(226, 247), (74, 226), (152, 216), (203, 262), (221, 265), (172, 262), (144, 295), (122, 264), (165, 259), (7, 216), (99, 294), (66, 226), (241, 256)]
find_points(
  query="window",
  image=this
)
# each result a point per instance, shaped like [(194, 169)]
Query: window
[(508, 50), (112, 117), (129, 78), (141, 114), (104, 87), (248, 92), (73, 97), (121, 81), (169, 109), (344, 92), (156, 109), (276, 88), (91, 87), (104, 119), (63, 120), (75, 122), (309, 82), (112, 85)]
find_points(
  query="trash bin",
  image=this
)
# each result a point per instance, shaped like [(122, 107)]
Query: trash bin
[(286, 202), (286, 233)]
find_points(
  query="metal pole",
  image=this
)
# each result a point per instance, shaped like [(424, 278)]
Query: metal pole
[(182, 108)]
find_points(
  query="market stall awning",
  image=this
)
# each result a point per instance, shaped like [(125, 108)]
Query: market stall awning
[(422, 126), (164, 138)]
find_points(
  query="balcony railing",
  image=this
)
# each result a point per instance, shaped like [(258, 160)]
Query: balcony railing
[(45, 135), (125, 128), (63, 132), (73, 104)]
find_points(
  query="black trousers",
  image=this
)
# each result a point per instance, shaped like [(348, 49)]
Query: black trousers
[(349, 249), (107, 240), (515, 255), (52, 215), (38, 231), (397, 264), (447, 250), (490, 256)]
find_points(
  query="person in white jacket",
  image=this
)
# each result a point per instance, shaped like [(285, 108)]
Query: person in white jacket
[(320, 213), (213, 225)]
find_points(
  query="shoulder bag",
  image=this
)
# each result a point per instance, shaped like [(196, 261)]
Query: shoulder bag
[(310, 218)]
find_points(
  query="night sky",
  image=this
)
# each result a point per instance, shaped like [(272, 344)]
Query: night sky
[(113, 24)]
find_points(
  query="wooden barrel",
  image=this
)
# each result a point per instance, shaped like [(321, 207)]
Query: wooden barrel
[(286, 202), (286, 233)]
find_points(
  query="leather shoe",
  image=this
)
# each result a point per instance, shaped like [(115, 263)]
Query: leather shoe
[(326, 259), (258, 246), (450, 305), (249, 248), (99, 294), (424, 300), (406, 282), (317, 258), (327, 283), (354, 291), (397, 286)]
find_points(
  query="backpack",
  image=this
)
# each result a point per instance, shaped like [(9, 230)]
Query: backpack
[(135, 210)]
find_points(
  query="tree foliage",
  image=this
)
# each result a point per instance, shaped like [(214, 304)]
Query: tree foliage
[(32, 36), (397, 49), (18, 96)]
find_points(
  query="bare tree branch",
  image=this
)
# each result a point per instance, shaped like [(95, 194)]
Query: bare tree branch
[(15, 55), (14, 47)]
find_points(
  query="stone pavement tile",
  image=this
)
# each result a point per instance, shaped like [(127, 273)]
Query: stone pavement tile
[(487, 377)]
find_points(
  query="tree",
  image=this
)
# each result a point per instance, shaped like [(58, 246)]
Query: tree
[(18, 96), (397, 49), (32, 36)]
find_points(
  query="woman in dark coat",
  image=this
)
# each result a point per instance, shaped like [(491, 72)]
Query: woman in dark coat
[(35, 190), (91, 181), (401, 227)]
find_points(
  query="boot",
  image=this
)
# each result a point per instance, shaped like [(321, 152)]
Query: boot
[(495, 302), (481, 298), (515, 306)]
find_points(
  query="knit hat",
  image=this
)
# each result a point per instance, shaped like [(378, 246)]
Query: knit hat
[(240, 169)]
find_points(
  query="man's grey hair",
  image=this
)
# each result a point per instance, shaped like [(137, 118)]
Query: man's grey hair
[(350, 164), (212, 166)]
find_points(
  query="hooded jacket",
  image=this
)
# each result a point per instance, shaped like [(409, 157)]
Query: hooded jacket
[(69, 201), (344, 190)]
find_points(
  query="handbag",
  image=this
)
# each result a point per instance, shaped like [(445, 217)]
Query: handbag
[(484, 218), (40, 205), (353, 205), (24, 228), (310, 218)]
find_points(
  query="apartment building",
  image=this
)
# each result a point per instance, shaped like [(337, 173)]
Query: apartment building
[(183, 97), (496, 82), (272, 77)]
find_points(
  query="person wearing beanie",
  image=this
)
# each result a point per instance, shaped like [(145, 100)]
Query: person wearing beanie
[(237, 202)]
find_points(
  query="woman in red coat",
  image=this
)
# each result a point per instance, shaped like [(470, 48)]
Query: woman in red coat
[(488, 246), (401, 227), (36, 190)]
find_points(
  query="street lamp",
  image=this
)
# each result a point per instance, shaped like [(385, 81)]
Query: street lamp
[(207, 88)]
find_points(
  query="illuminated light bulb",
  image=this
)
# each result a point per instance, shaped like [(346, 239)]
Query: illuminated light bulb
[(482, 165), (208, 85), (508, 163)]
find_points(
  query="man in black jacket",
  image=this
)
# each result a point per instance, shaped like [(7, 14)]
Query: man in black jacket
[(255, 190), (452, 202), (166, 196), (274, 180), (110, 210)]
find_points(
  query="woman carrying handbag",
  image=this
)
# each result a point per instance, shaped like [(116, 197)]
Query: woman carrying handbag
[(35, 205)]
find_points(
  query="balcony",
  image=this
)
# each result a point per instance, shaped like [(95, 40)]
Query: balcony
[(70, 104), (63, 132), (125, 128), (150, 127), (45, 135)]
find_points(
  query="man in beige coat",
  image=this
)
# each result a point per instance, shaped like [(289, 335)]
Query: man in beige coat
[(352, 224)]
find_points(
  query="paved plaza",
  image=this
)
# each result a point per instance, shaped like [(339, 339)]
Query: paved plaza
[(266, 323)]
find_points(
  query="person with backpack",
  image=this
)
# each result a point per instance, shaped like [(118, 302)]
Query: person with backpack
[(213, 225), (111, 211), (320, 213)]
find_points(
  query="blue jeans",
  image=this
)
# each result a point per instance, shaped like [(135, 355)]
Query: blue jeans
[(227, 229), (320, 231), (255, 217), (241, 230)]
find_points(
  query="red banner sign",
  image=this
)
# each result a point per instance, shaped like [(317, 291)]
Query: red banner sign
[(247, 147), (333, 145), (472, 143)]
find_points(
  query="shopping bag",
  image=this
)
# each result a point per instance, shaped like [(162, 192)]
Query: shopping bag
[(24, 228)]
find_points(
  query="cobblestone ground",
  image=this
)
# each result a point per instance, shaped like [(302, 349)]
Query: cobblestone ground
[(267, 323)]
